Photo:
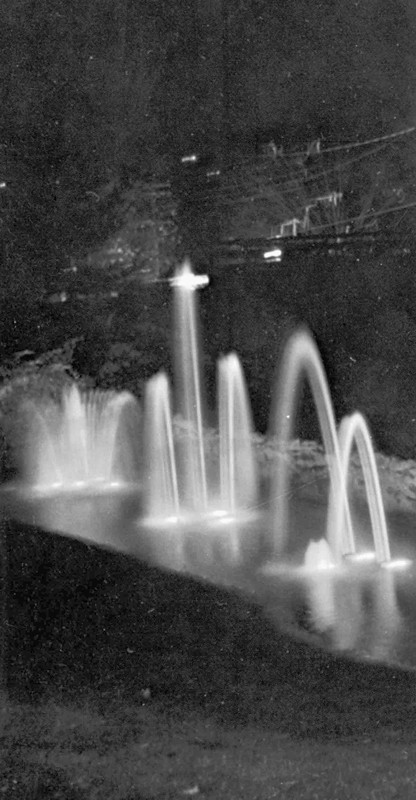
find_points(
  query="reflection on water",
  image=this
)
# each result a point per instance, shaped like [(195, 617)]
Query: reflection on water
[(158, 487)]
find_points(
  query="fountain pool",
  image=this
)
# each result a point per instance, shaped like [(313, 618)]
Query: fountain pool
[(156, 483)]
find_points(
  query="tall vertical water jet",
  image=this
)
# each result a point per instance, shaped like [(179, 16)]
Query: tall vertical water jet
[(191, 524), (189, 388), (354, 430), (301, 358), (162, 491), (238, 480)]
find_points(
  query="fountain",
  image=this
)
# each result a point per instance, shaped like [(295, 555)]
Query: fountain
[(79, 444), (195, 519), (238, 485), (355, 429), (162, 491), (162, 487), (335, 574), (80, 473), (300, 357), (189, 388)]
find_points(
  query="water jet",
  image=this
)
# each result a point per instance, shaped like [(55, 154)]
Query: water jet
[(157, 483)]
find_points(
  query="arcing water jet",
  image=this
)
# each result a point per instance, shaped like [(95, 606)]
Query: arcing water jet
[(199, 508)]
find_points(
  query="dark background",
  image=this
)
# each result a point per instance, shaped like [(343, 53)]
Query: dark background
[(99, 102), (98, 99)]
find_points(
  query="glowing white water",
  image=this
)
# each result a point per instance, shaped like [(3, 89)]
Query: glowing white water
[(238, 479), (354, 430), (388, 621), (318, 556), (187, 506), (301, 359), (319, 576), (189, 391), (162, 489), (82, 442)]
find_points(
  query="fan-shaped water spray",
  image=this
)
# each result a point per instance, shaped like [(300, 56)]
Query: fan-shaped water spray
[(81, 442), (197, 491)]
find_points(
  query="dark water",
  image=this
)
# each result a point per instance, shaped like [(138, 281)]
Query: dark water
[(374, 612)]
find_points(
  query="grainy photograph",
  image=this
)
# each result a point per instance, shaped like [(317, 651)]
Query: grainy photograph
[(208, 400)]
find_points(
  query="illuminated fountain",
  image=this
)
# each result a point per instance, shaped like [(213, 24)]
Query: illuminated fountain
[(197, 506), (80, 443), (81, 467), (238, 478), (336, 573), (301, 359), (162, 487), (354, 429), (157, 485), (189, 390)]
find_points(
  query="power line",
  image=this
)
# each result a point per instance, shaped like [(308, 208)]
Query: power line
[(351, 145), (293, 154)]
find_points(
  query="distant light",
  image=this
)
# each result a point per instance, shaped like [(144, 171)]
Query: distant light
[(273, 255), (3, 185), (58, 297), (192, 158), (213, 173), (186, 279)]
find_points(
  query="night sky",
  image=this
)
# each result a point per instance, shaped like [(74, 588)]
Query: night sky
[(341, 70), (201, 70)]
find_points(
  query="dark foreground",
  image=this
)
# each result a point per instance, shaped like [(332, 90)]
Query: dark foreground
[(126, 683)]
